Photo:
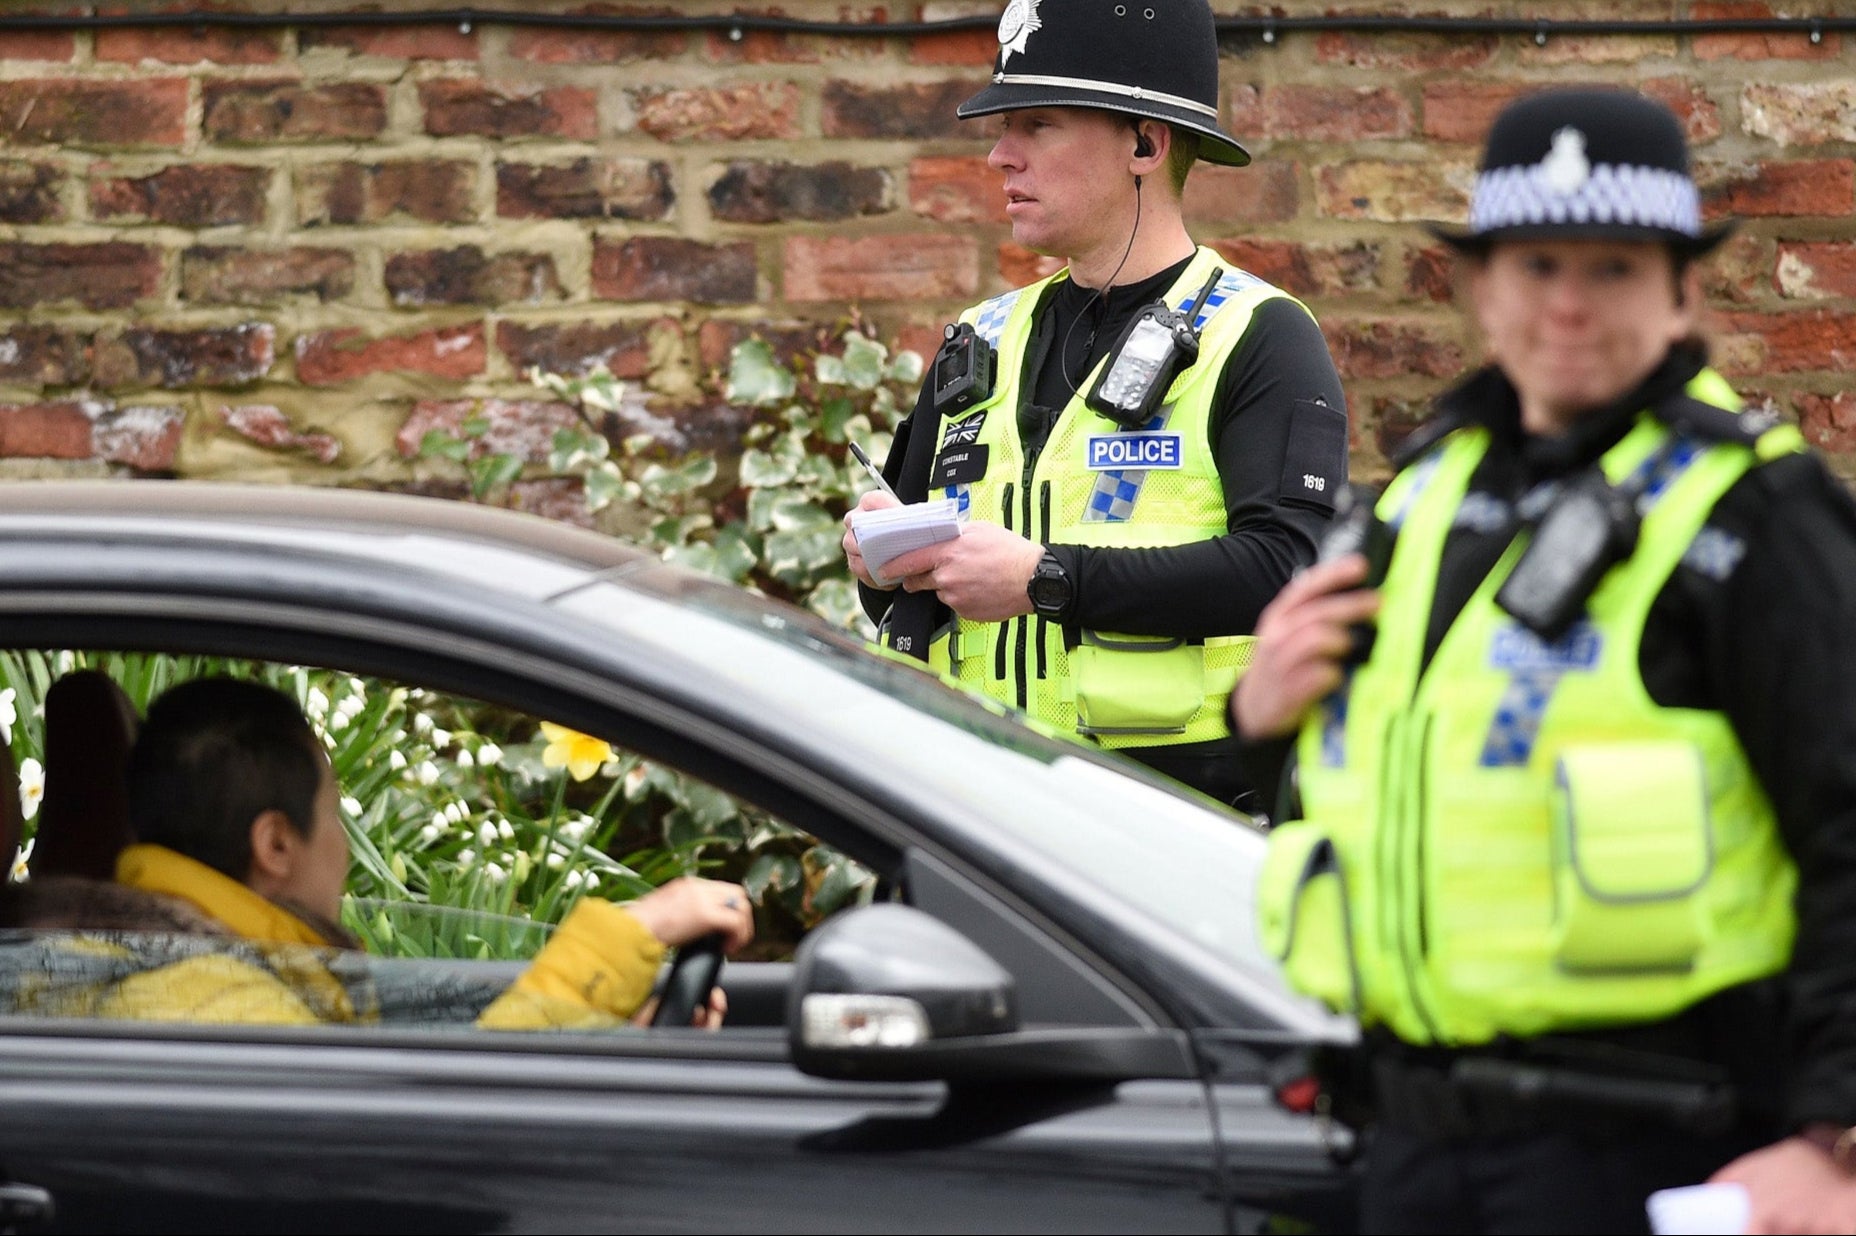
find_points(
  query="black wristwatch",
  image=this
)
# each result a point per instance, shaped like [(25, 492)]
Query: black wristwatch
[(1050, 588)]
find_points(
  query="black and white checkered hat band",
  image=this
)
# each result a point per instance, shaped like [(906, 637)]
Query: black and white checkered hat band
[(1621, 195)]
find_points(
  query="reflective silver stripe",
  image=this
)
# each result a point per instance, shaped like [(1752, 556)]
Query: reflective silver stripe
[(1083, 83)]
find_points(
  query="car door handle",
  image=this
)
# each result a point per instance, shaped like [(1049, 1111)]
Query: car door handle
[(24, 1205)]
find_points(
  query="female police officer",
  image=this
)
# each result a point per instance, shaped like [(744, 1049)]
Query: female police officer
[(1577, 827)]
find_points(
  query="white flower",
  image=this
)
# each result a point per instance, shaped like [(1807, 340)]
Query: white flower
[(591, 882), (421, 723), (441, 738), (316, 703), (357, 686), (433, 831), (634, 780), (494, 874), (31, 787), (556, 861), (487, 834), (577, 827), (351, 807), (489, 755), (19, 873), (440, 820), (426, 773), (352, 706), (9, 713), (338, 720), (465, 859), (396, 760), (574, 878), (456, 811), (505, 830), (466, 759)]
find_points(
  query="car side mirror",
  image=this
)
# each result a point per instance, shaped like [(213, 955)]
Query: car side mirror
[(876, 989)]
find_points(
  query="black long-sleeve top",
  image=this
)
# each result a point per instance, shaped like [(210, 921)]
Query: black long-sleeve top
[(1763, 630)]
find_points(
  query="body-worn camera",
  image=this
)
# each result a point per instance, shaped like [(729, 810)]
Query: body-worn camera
[(962, 369), (1155, 348), (1357, 529), (1589, 526)]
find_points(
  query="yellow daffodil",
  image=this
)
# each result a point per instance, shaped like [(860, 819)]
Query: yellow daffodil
[(578, 753)]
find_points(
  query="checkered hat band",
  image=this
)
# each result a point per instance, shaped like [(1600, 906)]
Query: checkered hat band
[(1623, 195)]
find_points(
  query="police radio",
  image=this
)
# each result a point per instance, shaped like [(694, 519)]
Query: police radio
[(1153, 350), (1357, 529), (962, 370), (1589, 526)]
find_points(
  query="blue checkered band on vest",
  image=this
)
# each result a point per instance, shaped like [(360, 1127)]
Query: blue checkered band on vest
[(1116, 492), (989, 323), (1613, 193)]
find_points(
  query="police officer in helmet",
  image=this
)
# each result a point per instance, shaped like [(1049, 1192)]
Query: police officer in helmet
[(1576, 760), (1146, 445)]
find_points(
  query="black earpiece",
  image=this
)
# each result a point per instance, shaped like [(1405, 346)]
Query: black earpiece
[(1143, 148)]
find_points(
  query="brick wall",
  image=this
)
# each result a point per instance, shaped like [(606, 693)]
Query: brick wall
[(282, 254)]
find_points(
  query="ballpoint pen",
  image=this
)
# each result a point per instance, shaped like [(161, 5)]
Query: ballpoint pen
[(872, 469)]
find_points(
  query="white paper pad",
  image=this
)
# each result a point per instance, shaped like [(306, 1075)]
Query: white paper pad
[(1700, 1210), (891, 531)]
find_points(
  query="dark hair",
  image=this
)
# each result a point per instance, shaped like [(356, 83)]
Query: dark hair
[(213, 755)]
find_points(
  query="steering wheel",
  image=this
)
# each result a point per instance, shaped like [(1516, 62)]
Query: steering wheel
[(692, 978)]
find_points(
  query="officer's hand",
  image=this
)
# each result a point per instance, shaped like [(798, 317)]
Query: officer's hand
[(690, 908), (1793, 1187), (875, 500), (1302, 639), (981, 574)]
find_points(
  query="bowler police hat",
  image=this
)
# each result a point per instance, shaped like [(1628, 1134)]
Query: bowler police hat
[(1152, 58), (1585, 164)]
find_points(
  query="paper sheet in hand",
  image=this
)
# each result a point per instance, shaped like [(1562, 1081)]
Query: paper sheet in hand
[(885, 534), (1698, 1209)]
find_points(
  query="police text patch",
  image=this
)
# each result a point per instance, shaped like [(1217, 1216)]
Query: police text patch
[(1104, 452), (960, 465), (963, 432)]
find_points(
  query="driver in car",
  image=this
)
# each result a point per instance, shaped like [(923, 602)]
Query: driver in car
[(235, 806)]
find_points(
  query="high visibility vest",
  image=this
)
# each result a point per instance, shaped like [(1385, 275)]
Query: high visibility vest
[(1095, 483), (1516, 839)]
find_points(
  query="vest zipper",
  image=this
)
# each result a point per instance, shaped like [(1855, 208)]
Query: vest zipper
[(1416, 950), (1020, 665), (1043, 622), (1001, 641)]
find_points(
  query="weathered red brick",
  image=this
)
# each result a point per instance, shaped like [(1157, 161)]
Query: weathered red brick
[(720, 114), (898, 266), (520, 427), (757, 191), (458, 107), (184, 195), (1394, 192), (409, 42), (1740, 271), (31, 192), (269, 427), (242, 112), (228, 275), (1409, 53), (791, 341), (54, 45), (974, 49), (1264, 192), (1458, 110), (1816, 270), (1391, 348), (1334, 113), (1394, 417), (782, 47), (151, 112), (624, 348), (916, 110), (173, 358), (1799, 341), (1756, 46), (956, 189), (1601, 49), (465, 275), (668, 268), (1802, 187), (544, 46), (329, 357), (586, 188), (140, 437), (1799, 113), (1828, 421), (428, 190), (60, 430), (1304, 268), (100, 276), (205, 43), (1431, 274), (43, 356)]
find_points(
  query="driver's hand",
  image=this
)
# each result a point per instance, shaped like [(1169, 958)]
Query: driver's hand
[(688, 908)]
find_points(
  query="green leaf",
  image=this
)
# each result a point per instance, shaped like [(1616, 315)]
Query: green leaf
[(836, 601), (833, 415), (755, 376), (864, 359), (441, 444), (493, 470), (793, 557), (829, 370), (761, 468), (777, 872), (906, 368), (475, 427), (604, 485)]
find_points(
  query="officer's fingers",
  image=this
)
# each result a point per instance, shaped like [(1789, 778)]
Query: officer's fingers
[(916, 561), (875, 500), (1346, 571)]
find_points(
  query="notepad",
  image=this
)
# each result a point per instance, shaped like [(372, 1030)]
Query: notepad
[(1699, 1209), (889, 532)]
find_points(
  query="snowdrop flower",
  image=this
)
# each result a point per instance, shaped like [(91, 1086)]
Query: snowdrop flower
[(486, 835), (456, 811), (590, 882), (466, 759), (574, 879), (505, 830), (576, 827), (338, 720), (441, 738), (494, 874), (396, 760), (556, 860), (634, 780), (351, 806), (9, 713), (465, 859), (489, 755), (20, 873), (421, 723), (440, 820), (316, 703), (426, 773), (432, 832), (31, 787)]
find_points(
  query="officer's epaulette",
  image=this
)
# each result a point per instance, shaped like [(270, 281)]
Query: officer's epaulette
[(1427, 435), (1712, 423)]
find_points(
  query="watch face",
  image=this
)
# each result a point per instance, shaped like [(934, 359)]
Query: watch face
[(1050, 589)]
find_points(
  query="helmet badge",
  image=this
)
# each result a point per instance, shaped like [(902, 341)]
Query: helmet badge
[(1018, 23), (1566, 168)]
